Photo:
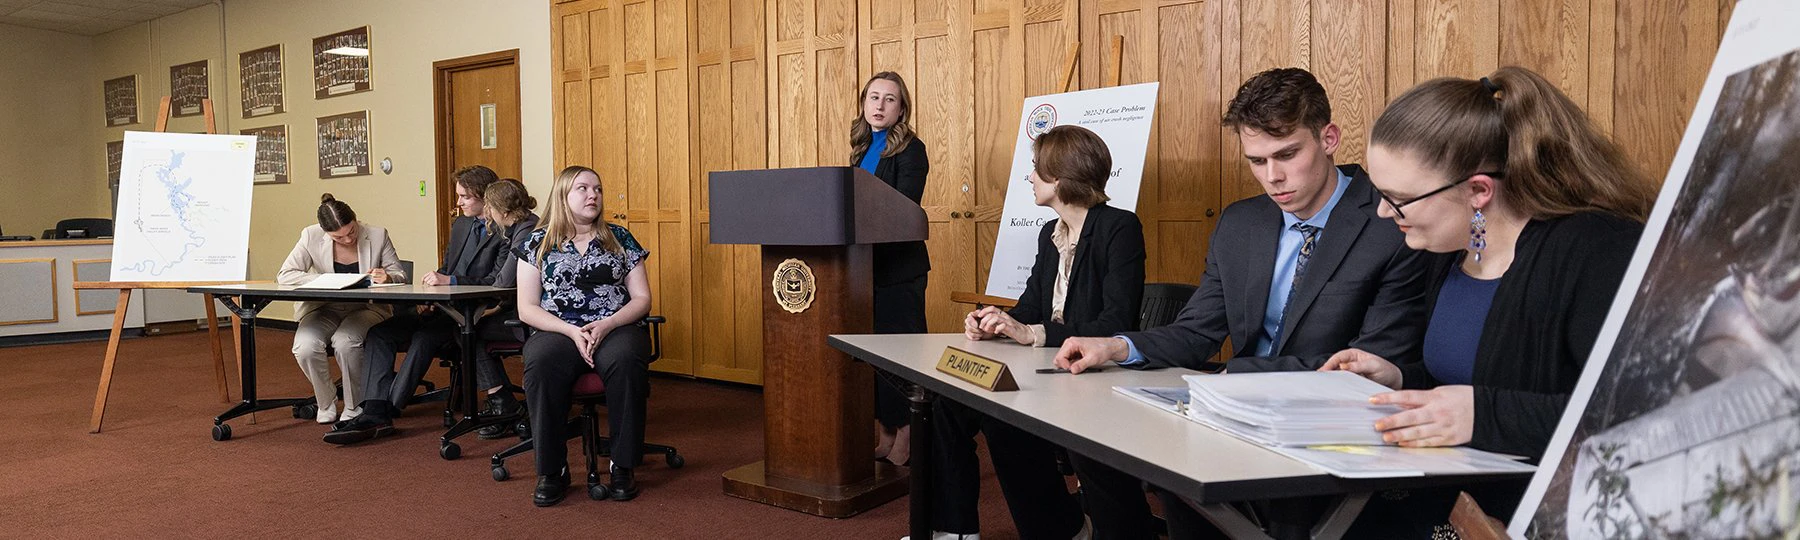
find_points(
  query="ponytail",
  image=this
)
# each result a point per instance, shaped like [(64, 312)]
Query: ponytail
[(1555, 161)]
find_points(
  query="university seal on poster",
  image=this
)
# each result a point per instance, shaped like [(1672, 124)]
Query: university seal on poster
[(1040, 121), (793, 285)]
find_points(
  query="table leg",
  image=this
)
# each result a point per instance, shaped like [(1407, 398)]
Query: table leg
[(919, 512), (112, 353), (1342, 514), (1332, 526), (467, 316), (246, 315)]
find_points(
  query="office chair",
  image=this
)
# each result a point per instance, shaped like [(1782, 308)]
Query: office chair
[(1162, 303), (94, 227), (590, 395)]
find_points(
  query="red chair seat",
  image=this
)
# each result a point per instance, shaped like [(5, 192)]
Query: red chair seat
[(589, 384)]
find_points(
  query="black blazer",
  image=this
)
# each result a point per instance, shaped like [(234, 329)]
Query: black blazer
[(1106, 283), (1546, 316), (473, 268), (1363, 288), (506, 261), (902, 261)]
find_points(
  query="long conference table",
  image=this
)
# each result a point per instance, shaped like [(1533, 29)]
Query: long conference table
[(1083, 414), (463, 303)]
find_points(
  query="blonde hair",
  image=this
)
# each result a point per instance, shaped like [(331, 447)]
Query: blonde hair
[(899, 135), (1554, 162), (559, 219)]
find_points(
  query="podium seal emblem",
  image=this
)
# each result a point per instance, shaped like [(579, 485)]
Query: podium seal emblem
[(793, 285)]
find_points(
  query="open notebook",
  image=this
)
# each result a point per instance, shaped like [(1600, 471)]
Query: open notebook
[(342, 281)]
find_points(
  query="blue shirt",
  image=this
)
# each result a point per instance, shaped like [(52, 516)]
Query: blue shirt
[(1455, 329), (877, 145), (1287, 254)]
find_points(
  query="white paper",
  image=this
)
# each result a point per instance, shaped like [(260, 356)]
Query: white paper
[(334, 281), (184, 207)]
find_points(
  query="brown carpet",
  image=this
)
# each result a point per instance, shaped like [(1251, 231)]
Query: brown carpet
[(155, 471)]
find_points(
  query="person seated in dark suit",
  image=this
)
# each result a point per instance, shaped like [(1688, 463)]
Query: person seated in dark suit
[(1291, 277), (1088, 280), (509, 215), (468, 260)]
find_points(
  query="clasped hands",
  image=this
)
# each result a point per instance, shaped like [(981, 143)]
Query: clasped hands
[(587, 337), (991, 322)]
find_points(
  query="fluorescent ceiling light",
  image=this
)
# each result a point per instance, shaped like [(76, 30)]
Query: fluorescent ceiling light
[(348, 51)]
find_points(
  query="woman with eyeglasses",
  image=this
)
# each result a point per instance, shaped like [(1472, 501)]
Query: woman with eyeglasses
[(1543, 213)]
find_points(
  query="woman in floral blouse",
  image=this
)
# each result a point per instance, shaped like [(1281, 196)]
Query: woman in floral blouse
[(583, 286)]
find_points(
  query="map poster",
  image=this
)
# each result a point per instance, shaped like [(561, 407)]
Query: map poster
[(1121, 116), (184, 207)]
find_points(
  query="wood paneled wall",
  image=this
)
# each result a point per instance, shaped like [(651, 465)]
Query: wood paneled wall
[(656, 93)]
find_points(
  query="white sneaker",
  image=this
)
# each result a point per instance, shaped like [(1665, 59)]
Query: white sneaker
[(941, 535), (328, 415), (350, 414)]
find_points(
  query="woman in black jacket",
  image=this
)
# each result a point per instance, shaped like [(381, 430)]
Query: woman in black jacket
[(1088, 280), (1544, 214), (882, 142)]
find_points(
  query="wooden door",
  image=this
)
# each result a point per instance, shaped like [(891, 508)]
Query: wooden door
[(477, 104)]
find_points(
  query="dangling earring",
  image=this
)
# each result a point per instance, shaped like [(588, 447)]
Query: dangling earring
[(1478, 234)]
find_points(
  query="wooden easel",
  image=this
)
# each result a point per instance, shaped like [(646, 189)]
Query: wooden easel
[(1068, 79), (125, 288)]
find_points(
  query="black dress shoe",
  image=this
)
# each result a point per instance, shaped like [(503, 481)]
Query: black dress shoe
[(359, 429), (498, 405), (623, 486), (551, 489)]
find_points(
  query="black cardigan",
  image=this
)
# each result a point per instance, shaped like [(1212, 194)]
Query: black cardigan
[(905, 171), (1546, 315), (1106, 283)]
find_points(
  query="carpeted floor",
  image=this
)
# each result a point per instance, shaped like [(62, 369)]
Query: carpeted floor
[(155, 472)]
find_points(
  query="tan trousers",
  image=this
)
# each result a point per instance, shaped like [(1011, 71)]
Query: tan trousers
[(343, 325)]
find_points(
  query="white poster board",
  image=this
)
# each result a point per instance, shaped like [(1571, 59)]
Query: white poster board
[(184, 207), (1121, 116), (1686, 420)]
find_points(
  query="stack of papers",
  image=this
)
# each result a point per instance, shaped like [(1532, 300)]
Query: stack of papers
[(1305, 408), (1323, 419)]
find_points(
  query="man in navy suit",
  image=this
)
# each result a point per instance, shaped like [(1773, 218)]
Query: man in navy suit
[(1291, 277)]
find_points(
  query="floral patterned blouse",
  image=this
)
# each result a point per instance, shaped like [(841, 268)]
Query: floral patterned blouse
[(582, 288)]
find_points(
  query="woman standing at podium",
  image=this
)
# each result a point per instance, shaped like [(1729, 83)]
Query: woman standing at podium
[(337, 244), (1088, 281), (882, 142), (583, 286)]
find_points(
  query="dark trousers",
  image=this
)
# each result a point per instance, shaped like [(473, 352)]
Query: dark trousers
[(1115, 501), (490, 372), (385, 390), (899, 309), (551, 366), (1036, 495)]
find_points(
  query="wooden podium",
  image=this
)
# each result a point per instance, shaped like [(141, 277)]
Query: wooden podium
[(815, 226)]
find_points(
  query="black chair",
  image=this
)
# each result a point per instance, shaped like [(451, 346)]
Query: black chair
[(1162, 302), (590, 395), (90, 227)]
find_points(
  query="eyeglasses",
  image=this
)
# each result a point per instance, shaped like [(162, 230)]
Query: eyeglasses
[(1397, 204)]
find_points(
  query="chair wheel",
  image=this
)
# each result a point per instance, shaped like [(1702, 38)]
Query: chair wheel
[(450, 451), (674, 460), (599, 492), (306, 412), (221, 432), (501, 474)]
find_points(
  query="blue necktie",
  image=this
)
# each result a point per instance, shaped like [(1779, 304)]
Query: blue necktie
[(1310, 237)]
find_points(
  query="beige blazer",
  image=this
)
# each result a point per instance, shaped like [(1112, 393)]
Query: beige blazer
[(312, 256)]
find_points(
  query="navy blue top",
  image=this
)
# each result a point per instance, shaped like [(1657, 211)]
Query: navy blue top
[(1455, 329), (877, 145)]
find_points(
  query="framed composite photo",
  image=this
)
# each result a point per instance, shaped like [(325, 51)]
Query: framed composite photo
[(187, 88), (271, 154), (341, 63), (343, 145), (121, 101), (259, 77)]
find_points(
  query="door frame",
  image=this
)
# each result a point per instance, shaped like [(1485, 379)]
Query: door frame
[(444, 145)]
